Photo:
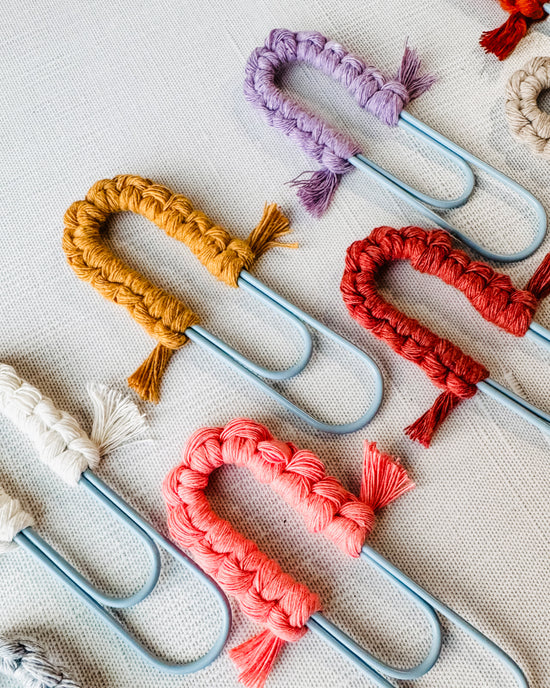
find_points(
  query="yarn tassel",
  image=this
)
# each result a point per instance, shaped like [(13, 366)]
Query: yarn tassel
[(423, 429), (117, 419), (539, 284), (408, 75), (384, 479), (147, 378), (272, 227), (316, 191), (255, 658), (502, 41)]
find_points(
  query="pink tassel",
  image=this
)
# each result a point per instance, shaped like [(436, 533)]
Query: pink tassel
[(255, 658), (316, 191), (384, 479)]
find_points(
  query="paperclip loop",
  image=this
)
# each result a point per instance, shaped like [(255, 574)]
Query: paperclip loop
[(252, 371), (54, 562), (383, 97), (504, 305), (37, 415), (373, 667), (421, 130)]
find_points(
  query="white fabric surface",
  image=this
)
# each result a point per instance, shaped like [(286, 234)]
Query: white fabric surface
[(90, 90)]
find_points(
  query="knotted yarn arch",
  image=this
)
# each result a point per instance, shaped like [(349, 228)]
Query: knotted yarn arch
[(382, 96), (162, 315), (265, 593), (490, 292)]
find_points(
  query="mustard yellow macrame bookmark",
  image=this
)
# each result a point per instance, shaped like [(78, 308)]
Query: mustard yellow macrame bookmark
[(162, 315)]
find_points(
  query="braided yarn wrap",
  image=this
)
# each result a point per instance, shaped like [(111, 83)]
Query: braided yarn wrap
[(162, 315), (491, 293), (503, 40), (29, 664), (383, 97), (266, 594), (61, 442), (527, 122)]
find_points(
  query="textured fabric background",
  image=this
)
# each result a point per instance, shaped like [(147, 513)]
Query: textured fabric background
[(90, 90)]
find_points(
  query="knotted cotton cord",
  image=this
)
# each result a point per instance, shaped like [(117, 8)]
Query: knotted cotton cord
[(382, 96), (13, 519), (491, 293), (266, 594), (28, 663), (61, 442), (527, 122), (503, 40), (162, 315)]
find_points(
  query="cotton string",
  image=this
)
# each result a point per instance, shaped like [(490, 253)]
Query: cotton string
[(266, 594), (13, 519), (503, 40), (163, 316), (527, 122), (491, 293), (381, 96), (29, 664), (58, 437)]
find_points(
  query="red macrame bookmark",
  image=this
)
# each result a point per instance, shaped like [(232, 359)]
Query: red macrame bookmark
[(491, 293)]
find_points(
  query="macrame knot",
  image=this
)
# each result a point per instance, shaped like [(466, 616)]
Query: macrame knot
[(13, 519), (503, 40), (383, 97), (527, 122), (162, 315), (29, 665), (491, 293), (61, 442), (265, 593)]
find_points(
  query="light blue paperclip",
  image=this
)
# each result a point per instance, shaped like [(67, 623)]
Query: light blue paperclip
[(372, 667), (414, 198), (98, 602), (254, 372), (512, 401)]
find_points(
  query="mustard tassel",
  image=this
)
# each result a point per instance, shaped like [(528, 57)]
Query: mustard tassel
[(272, 227), (147, 378)]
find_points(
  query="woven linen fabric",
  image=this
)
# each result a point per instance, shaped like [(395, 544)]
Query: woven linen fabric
[(90, 90)]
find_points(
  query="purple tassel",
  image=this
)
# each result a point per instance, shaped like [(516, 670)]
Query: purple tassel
[(316, 191), (408, 74)]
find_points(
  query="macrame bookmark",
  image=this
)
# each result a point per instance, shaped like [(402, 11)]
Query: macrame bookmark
[(381, 96), (491, 293), (163, 316), (266, 594)]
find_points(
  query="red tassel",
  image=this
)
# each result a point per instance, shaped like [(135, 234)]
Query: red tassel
[(384, 479), (256, 657), (502, 41), (423, 429), (539, 284)]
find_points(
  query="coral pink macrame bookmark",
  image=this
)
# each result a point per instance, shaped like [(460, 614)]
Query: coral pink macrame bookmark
[(266, 594)]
